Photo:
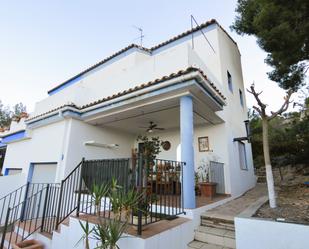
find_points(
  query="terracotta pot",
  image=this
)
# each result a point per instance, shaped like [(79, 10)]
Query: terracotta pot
[(28, 244), (208, 189)]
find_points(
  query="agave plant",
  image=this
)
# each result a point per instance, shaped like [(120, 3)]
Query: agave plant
[(97, 193), (130, 202), (108, 232), (86, 236)]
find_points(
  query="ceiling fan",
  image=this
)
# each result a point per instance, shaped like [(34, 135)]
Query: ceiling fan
[(152, 126)]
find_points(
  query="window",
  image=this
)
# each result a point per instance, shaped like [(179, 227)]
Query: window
[(242, 156), (229, 81), (241, 98)]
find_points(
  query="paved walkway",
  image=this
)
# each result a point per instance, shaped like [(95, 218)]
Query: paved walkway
[(233, 208)]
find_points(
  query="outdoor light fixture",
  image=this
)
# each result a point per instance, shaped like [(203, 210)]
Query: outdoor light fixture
[(247, 125), (97, 144)]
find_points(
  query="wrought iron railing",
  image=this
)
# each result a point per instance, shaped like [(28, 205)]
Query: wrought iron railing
[(17, 196), (43, 207), (68, 196), (158, 181), (28, 216)]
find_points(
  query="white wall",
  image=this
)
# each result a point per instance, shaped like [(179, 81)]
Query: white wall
[(136, 67), (257, 233), (45, 145), (175, 238), (11, 182), (79, 132), (234, 115)]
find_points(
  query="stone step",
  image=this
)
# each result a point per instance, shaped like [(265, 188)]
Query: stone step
[(201, 245), (217, 222), (216, 236)]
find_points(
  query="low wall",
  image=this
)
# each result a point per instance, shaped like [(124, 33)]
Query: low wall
[(256, 233), (174, 238), (10, 183)]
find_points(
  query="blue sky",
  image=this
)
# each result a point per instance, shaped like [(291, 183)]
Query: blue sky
[(43, 43)]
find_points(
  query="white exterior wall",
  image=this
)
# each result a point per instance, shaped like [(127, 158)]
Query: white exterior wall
[(257, 233), (234, 114), (80, 132), (11, 182), (44, 145), (136, 67)]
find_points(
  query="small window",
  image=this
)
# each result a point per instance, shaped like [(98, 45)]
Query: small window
[(241, 98), (229, 81), (242, 156)]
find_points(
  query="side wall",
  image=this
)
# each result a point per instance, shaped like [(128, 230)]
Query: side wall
[(234, 115)]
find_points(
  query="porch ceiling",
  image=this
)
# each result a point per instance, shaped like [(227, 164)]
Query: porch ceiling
[(164, 113)]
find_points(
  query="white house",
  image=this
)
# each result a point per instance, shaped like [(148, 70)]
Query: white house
[(191, 87)]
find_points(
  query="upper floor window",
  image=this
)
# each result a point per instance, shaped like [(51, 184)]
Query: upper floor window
[(241, 98), (229, 81), (242, 156)]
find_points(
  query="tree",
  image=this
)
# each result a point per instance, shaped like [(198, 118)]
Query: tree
[(6, 114), (261, 109), (18, 109), (281, 29)]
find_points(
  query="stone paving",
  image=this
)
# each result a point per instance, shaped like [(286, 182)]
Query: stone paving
[(233, 208)]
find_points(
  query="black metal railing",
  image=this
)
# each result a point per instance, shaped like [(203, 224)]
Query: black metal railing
[(28, 216), (17, 196), (158, 182), (68, 196), (44, 206)]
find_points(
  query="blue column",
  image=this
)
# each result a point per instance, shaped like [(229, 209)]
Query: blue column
[(187, 151)]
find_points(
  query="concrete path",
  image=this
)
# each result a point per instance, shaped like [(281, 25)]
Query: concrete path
[(233, 208)]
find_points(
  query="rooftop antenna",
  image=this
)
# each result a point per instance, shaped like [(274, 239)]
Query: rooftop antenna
[(141, 34), (193, 20)]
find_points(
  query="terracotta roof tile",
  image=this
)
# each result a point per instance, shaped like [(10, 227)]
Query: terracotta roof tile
[(52, 110)]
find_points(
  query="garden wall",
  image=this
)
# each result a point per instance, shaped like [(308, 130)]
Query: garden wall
[(257, 234)]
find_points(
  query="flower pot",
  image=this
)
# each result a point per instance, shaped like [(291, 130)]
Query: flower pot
[(208, 189), (28, 244)]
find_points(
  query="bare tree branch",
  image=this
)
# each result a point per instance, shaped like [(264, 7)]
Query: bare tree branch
[(262, 106), (284, 106)]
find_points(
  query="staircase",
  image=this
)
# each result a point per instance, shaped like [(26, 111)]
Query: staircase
[(214, 233)]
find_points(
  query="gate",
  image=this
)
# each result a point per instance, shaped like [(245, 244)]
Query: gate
[(217, 175)]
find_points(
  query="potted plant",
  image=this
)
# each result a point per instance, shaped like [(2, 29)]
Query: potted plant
[(197, 186), (207, 188)]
